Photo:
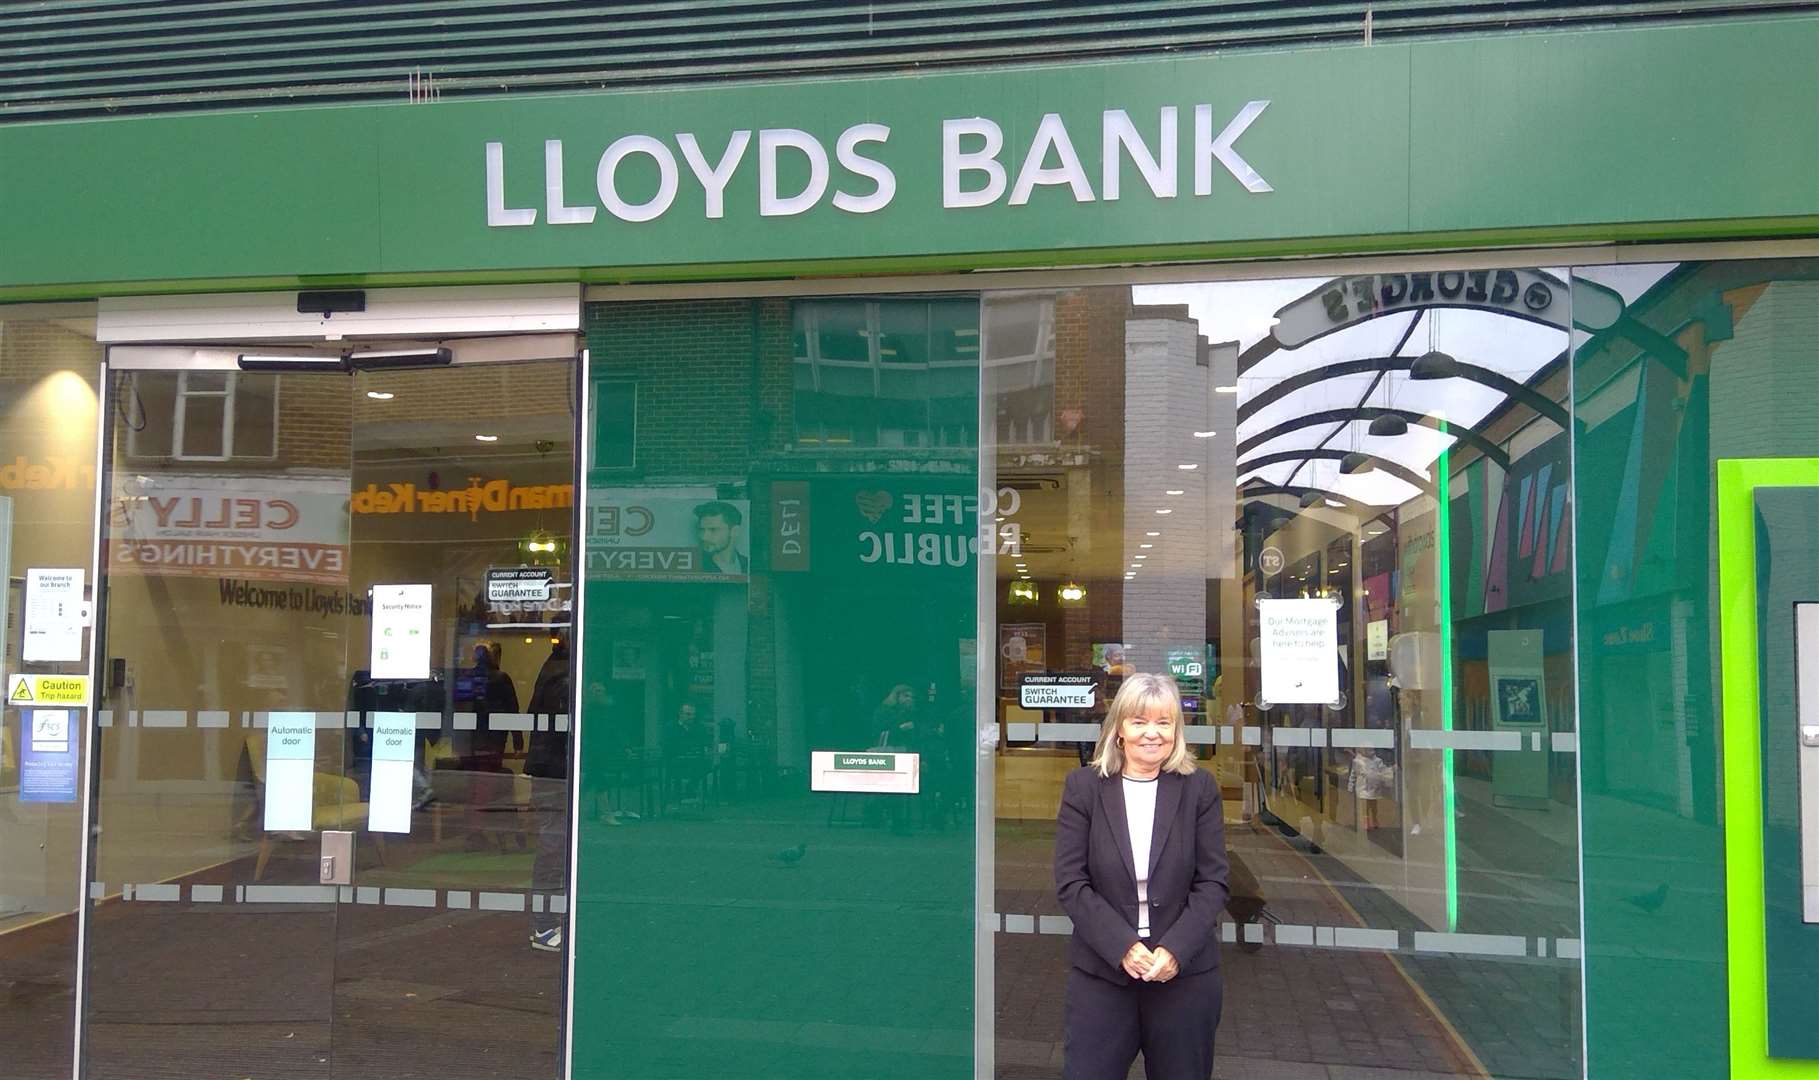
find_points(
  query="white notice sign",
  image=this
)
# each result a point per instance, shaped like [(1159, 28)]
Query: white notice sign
[(290, 771), (401, 632), (1377, 640), (1298, 650), (54, 615)]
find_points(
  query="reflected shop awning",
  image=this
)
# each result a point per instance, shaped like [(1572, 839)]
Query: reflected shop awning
[(1356, 385)]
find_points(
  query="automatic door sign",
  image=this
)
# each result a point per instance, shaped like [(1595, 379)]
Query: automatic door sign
[(1270, 561), (1050, 690)]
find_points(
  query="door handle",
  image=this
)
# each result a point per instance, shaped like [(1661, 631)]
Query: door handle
[(337, 861)]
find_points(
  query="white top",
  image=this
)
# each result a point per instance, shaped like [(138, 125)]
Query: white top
[(1140, 815)]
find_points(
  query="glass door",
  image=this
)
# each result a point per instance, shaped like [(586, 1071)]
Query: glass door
[(332, 799)]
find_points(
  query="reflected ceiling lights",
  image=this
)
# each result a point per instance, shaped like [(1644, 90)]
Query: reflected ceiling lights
[(1165, 511), (1187, 467), (1072, 593), (1152, 533), (1225, 389), (380, 395), (487, 438), (1204, 434), (1175, 491), (1022, 592)]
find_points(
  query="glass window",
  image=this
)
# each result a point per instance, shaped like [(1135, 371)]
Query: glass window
[(889, 373), (616, 424), (780, 648), (49, 364), (203, 416), (1695, 451), (1380, 462)]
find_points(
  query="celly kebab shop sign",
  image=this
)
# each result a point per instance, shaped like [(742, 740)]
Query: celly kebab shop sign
[(797, 171)]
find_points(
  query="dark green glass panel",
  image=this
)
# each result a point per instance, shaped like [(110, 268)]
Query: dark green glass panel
[(788, 567), (1711, 361)]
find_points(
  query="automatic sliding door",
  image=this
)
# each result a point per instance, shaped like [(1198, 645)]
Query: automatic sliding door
[(333, 747), (449, 960)]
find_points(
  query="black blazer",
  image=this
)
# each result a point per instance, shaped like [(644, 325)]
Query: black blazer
[(1096, 881)]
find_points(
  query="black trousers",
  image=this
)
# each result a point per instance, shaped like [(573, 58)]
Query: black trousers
[(1171, 1022)]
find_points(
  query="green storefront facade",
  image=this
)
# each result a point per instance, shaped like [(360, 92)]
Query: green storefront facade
[(785, 369)]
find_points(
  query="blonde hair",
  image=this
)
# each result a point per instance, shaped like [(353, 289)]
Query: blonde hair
[(1138, 693)]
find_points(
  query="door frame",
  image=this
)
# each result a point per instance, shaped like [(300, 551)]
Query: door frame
[(479, 325)]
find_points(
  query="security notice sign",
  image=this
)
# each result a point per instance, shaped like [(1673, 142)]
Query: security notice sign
[(1298, 650), (401, 631), (1051, 690)]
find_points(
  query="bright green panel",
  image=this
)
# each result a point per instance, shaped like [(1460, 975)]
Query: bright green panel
[(731, 920), (1744, 912), (1580, 136)]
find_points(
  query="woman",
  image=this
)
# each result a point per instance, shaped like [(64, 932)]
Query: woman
[(1140, 868)]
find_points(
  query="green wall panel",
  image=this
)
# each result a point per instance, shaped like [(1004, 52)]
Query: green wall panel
[(1594, 134)]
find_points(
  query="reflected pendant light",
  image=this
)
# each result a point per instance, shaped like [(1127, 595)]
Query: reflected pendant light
[(1022, 592), (1388, 425), (1071, 593), (1433, 364)]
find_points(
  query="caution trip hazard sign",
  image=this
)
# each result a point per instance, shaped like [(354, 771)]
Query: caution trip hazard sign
[(47, 690)]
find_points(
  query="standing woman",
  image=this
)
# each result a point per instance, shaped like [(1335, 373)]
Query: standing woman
[(1140, 868)]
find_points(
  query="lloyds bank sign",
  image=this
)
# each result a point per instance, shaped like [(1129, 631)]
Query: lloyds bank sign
[(1178, 152)]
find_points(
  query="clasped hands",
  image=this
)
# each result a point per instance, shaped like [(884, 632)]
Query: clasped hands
[(1150, 965)]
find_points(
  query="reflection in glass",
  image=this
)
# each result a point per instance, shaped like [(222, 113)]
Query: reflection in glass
[(788, 571), (252, 705), (48, 413), (1389, 452)]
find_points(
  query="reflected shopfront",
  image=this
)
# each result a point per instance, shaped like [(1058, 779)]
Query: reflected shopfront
[(936, 527)]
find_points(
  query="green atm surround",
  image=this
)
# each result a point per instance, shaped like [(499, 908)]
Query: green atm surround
[(1764, 998)]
